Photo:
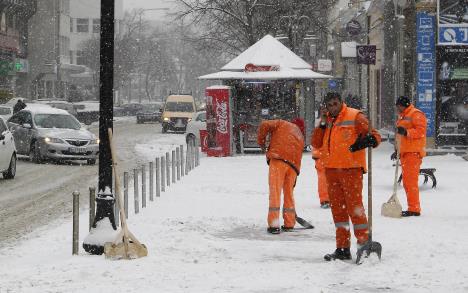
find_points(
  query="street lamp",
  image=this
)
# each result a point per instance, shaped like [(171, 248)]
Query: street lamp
[(141, 11)]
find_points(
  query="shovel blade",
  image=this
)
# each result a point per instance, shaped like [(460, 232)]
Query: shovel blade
[(117, 251), (391, 209), (367, 249)]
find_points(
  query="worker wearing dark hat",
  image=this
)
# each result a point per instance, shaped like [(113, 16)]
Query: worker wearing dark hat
[(411, 135)]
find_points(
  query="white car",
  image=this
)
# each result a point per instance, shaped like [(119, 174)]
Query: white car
[(194, 126), (7, 152)]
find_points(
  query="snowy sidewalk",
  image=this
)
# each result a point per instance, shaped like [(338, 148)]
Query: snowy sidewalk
[(207, 233)]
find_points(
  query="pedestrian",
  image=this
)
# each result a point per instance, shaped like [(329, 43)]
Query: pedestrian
[(321, 179), (411, 128), (20, 105), (284, 154), (342, 135)]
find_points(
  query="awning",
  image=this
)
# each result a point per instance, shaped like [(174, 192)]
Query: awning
[(283, 74)]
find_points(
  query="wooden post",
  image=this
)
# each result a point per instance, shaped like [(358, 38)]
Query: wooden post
[(76, 221), (125, 183)]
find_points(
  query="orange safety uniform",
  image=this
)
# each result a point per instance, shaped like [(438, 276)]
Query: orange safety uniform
[(412, 150), (344, 171), (284, 156), (321, 179)]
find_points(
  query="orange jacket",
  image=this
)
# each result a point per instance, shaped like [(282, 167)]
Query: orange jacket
[(340, 133), (415, 123), (286, 141)]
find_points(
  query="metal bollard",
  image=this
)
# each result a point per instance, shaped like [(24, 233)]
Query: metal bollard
[(92, 205), (135, 191), (173, 166), (125, 183), (116, 206), (182, 172), (178, 163), (187, 159), (241, 141), (158, 182), (143, 186), (163, 174), (76, 221), (197, 155), (151, 180), (168, 170)]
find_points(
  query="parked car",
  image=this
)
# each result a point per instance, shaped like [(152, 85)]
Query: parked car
[(7, 152), (87, 112), (131, 109), (178, 110), (194, 126), (48, 133), (6, 111), (150, 113), (59, 104)]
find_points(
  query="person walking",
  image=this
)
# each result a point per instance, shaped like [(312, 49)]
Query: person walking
[(284, 154), (411, 128), (342, 135), (20, 105), (321, 179)]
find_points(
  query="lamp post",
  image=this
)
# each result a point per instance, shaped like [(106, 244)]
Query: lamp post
[(139, 44)]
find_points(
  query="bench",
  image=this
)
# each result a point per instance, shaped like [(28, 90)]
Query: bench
[(427, 173)]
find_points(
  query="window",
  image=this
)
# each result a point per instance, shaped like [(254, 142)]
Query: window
[(82, 25), (71, 24), (179, 107), (96, 26), (71, 56), (56, 121), (80, 58)]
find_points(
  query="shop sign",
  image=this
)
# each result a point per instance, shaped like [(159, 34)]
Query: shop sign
[(366, 54), (425, 68), (255, 68), (452, 18), (324, 65), (353, 27)]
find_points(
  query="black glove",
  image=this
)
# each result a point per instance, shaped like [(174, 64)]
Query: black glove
[(393, 156), (363, 142), (401, 130)]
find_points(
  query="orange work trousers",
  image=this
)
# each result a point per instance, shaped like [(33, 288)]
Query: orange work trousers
[(410, 164), (345, 192), (281, 177), (321, 181)]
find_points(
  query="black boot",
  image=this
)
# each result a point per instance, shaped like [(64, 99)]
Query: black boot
[(340, 253), (287, 229), (273, 230), (325, 205), (410, 214)]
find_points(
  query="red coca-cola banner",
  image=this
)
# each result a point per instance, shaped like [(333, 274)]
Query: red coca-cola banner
[(218, 121), (254, 68)]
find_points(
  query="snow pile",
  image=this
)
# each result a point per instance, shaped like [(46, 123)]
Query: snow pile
[(207, 233)]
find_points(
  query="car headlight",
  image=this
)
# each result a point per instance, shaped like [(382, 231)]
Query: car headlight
[(166, 119), (53, 140), (190, 119), (94, 141)]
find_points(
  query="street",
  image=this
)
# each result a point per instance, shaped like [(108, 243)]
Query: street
[(42, 193)]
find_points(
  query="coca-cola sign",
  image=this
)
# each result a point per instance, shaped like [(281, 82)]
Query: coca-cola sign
[(254, 68)]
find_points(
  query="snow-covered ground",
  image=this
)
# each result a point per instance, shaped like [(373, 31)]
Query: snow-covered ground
[(207, 233)]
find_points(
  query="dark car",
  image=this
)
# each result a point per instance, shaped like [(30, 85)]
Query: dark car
[(131, 109), (150, 113)]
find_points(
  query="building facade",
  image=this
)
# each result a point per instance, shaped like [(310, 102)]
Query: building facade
[(14, 61)]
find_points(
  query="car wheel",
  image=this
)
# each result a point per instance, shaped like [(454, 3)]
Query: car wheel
[(34, 153), (91, 161), (11, 172)]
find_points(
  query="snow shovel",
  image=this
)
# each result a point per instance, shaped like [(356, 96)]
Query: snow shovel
[(304, 223), (126, 245), (392, 208), (370, 246)]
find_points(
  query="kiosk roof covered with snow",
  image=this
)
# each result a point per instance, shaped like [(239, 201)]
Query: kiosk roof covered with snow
[(267, 59)]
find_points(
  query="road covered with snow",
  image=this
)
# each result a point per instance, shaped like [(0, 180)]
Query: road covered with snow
[(207, 233)]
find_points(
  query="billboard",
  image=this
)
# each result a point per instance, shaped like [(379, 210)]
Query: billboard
[(452, 18)]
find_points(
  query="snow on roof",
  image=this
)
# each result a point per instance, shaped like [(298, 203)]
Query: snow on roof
[(267, 51), (44, 109), (285, 73)]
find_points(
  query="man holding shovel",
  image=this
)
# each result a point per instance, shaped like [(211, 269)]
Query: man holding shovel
[(284, 156), (343, 135), (411, 132)]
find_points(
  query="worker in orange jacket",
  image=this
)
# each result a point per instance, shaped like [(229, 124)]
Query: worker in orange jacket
[(343, 137), (284, 156), (411, 133), (321, 179)]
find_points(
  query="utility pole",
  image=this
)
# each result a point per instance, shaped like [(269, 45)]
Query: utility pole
[(104, 219)]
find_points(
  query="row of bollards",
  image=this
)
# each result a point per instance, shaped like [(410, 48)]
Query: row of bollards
[(163, 171)]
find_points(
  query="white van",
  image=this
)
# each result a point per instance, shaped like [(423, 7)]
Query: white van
[(178, 110)]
